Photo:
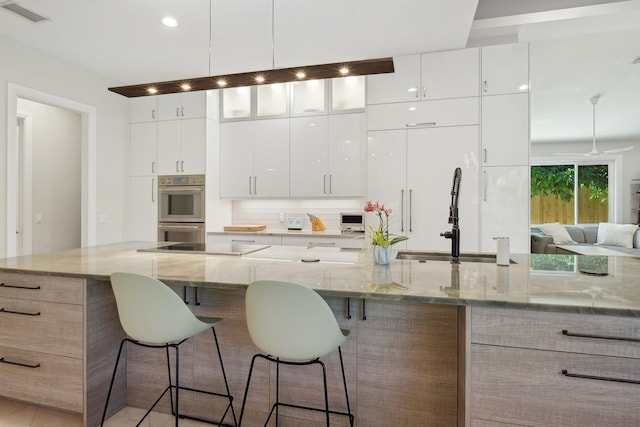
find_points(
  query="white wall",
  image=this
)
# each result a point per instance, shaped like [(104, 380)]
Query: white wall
[(38, 70), (629, 162), (55, 177)]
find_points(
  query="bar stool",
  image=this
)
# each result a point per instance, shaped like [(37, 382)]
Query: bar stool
[(153, 316), (291, 322)]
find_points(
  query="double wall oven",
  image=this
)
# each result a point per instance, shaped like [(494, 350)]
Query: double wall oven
[(181, 208)]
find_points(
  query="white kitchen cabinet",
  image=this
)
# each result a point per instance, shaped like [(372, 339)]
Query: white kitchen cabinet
[(348, 93), (411, 171), (254, 158), (142, 148), (182, 146), (324, 241), (505, 130), (143, 208), (505, 69), (505, 207), (236, 103), (308, 97), (327, 156), (245, 238), (404, 115), (177, 106), (143, 109), (438, 75)]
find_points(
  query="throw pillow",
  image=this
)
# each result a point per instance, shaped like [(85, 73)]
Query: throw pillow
[(558, 232), (616, 234)]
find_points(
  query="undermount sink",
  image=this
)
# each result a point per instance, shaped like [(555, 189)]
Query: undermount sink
[(423, 256)]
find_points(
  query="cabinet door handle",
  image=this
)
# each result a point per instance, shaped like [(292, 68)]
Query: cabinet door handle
[(599, 378), (23, 313), (153, 167), (600, 337), (153, 193), (484, 155), (321, 244), (242, 241), (415, 125), (324, 183), (182, 166), (178, 166), (330, 183), (424, 91), (402, 210), (182, 111), (255, 185), (485, 86), (25, 364), (410, 210), (153, 114), (485, 179), (31, 288), (177, 112), (250, 193), (416, 89)]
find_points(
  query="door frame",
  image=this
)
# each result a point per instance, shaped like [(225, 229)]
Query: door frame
[(87, 159)]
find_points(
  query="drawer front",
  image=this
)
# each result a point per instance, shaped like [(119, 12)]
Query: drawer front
[(42, 288), (40, 378), (320, 242), (542, 330), (407, 115), (42, 326), (527, 387)]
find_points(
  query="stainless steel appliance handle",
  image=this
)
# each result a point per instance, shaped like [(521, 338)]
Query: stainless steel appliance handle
[(180, 189), (410, 210), (402, 210), (484, 185), (179, 227)]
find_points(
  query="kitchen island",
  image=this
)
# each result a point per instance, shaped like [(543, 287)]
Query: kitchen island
[(431, 344)]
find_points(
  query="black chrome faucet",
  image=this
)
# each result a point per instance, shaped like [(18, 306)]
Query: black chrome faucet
[(454, 233)]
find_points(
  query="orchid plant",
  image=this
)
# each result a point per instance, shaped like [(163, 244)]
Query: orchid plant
[(380, 236)]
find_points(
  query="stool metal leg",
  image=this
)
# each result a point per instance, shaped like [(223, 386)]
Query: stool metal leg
[(346, 393), (226, 383), (113, 378), (246, 389), (326, 392)]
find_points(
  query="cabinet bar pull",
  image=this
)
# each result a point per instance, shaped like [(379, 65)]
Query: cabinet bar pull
[(182, 111), (24, 313), (484, 155), (153, 114), (331, 183), (601, 337), (324, 183), (153, 167), (178, 166), (364, 309), (484, 185), (243, 240), (250, 193), (184, 295), (25, 364), (410, 210), (413, 125), (255, 185), (424, 91), (416, 90), (153, 193), (594, 377), (182, 166), (485, 86), (33, 288), (402, 210), (195, 296), (321, 244), (348, 307), (177, 112)]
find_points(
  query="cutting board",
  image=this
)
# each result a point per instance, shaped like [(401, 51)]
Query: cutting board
[(244, 227)]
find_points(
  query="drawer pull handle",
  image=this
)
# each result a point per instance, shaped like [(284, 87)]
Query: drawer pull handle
[(25, 364), (24, 313), (594, 377), (32, 288), (601, 337), (348, 302)]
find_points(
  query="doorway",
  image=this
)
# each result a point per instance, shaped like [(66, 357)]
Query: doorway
[(86, 166)]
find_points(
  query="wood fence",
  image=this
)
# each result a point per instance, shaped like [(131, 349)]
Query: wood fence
[(552, 209)]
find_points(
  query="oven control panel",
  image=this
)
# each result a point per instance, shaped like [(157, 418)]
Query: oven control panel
[(181, 180)]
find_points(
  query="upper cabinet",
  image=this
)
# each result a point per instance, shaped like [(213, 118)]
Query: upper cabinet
[(327, 156), (429, 76), (505, 130), (182, 147), (143, 109), (143, 139), (505, 69), (177, 106)]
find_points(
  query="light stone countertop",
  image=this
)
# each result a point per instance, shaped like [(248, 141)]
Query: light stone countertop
[(540, 282)]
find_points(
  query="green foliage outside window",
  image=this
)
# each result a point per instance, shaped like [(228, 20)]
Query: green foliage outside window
[(559, 180)]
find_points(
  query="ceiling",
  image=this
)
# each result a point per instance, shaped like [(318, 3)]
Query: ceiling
[(125, 40)]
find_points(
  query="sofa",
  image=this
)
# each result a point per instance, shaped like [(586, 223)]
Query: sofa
[(583, 234)]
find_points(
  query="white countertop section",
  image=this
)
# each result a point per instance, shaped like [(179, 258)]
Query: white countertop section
[(284, 232), (537, 281)]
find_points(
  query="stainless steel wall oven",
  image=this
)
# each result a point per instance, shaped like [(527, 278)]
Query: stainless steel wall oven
[(181, 208)]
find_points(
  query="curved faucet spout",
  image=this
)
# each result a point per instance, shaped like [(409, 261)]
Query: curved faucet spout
[(454, 234)]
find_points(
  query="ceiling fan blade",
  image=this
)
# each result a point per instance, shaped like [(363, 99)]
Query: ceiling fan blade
[(618, 150)]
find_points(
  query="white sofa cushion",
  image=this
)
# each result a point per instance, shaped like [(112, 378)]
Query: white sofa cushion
[(616, 234), (557, 231)]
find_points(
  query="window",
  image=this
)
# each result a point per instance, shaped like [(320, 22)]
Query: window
[(570, 193)]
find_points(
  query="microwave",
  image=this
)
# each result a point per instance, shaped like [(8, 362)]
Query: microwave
[(352, 221)]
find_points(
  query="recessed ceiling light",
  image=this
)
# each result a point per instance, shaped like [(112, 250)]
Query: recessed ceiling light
[(169, 21)]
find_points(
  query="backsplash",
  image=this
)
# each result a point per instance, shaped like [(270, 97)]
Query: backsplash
[(273, 213)]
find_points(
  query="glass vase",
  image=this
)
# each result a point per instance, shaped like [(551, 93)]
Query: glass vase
[(381, 255)]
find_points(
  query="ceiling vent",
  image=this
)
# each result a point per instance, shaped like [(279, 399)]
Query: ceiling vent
[(21, 11)]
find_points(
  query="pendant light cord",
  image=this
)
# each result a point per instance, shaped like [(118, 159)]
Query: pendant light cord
[(273, 37), (210, 49)]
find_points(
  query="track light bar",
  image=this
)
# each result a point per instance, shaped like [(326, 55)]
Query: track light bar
[(312, 72)]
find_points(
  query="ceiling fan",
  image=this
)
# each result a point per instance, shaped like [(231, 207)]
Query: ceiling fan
[(594, 151)]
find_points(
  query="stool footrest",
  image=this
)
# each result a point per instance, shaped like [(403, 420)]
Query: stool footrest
[(310, 408)]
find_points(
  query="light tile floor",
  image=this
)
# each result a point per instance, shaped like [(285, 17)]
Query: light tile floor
[(17, 414)]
